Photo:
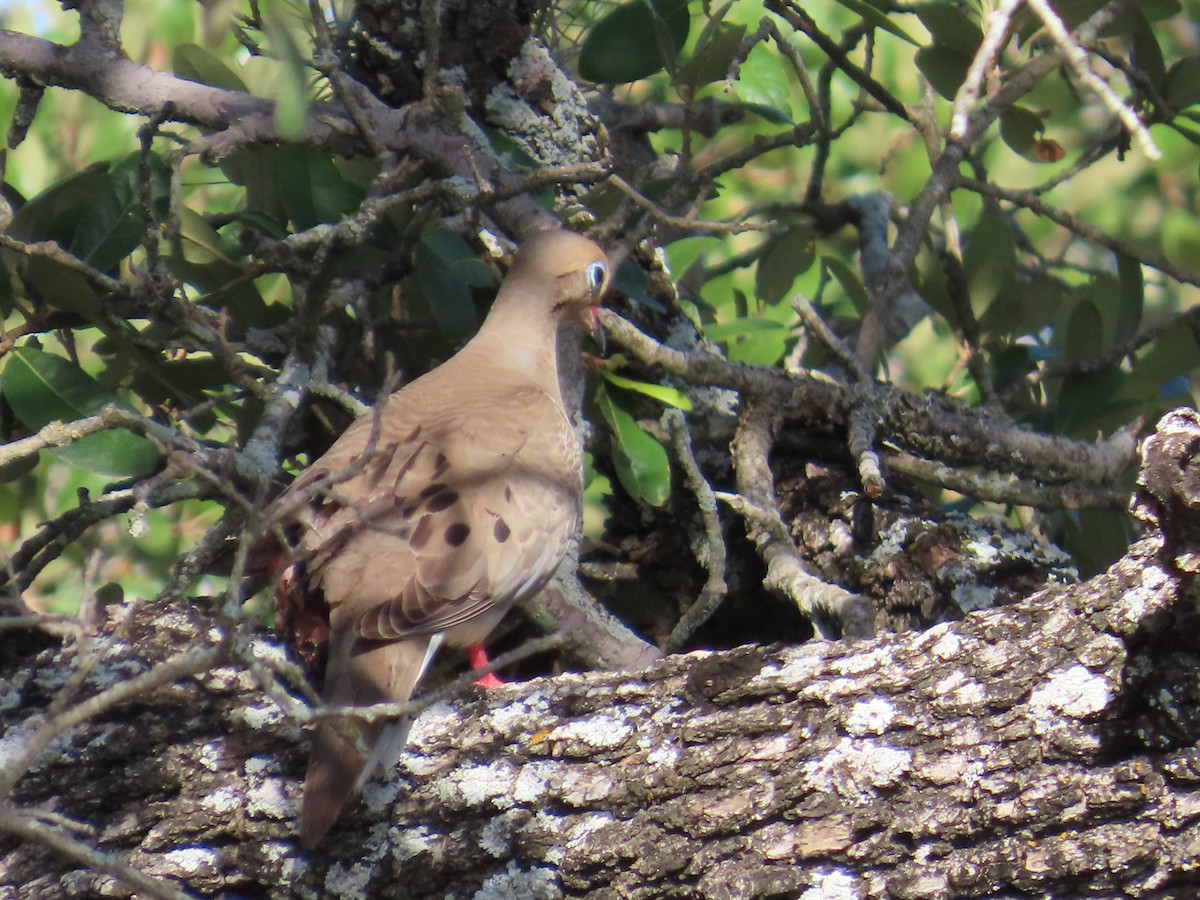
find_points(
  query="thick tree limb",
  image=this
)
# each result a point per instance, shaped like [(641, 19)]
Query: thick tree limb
[(1048, 748)]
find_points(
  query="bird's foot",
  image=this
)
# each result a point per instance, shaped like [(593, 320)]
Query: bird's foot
[(478, 658)]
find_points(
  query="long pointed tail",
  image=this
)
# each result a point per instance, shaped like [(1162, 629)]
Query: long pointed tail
[(368, 673)]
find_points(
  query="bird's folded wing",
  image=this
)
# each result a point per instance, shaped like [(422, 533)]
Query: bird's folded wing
[(427, 527)]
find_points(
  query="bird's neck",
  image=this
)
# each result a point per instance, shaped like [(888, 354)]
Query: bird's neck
[(527, 345)]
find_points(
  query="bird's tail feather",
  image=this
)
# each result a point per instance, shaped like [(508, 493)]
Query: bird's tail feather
[(359, 675)]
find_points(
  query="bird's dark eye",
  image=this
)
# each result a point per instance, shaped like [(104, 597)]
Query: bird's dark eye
[(595, 275)]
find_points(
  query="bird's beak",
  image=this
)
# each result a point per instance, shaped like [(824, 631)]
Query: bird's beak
[(596, 329)]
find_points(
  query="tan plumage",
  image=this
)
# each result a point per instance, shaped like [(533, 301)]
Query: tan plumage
[(435, 512)]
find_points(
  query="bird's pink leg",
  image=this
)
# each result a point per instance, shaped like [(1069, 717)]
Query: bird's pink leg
[(477, 657)]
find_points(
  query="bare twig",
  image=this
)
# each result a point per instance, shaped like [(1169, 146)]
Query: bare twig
[(1008, 490), (786, 573), (710, 552), (30, 825)]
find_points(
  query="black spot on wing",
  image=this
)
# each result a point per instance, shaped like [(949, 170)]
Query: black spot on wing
[(501, 531), (443, 499), (457, 533)]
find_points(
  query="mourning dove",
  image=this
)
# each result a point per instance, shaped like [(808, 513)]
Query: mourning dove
[(434, 513)]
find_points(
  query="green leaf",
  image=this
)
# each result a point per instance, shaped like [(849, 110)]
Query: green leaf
[(660, 392), (1146, 54), (1085, 332), (712, 58), (44, 388), (1172, 354), (291, 104), (1095, 538), (782, 262), (438, 270), (199, 256), (989, 262), (852, 284), (53, 214), (53, 284), (110, 227), (310, 188), (1019, 129), (763, 347), (641, 462), (741, 327), (1183, 83), (945, 68), (1132, 297), (96, 216), (1082, 399), (764, 84), (875, 17), (949, 26), (625, 44), (196, 64)]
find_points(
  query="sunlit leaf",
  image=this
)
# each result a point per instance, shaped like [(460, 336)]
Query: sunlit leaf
[(641, 462), (877, 18), (741, 327), (291, 104), (44, 388), (713, 58), (196, 64), (660, 392)]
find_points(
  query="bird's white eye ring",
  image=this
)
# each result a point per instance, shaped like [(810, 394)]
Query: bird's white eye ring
[(595, 275)]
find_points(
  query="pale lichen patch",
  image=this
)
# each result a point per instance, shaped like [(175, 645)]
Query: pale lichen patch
[(973, 597), (602, 732), (798, 668), (440, 718), (856, 664), (519, 716), (407, 843), (225, 800), (477, 785), (348, 880), (874, 716), (945, 643), (260, 716), (833, 885), (379, 793), (515, 883), (497, 835), (1076, 693), (187, 861), (858, 768), (270, 798), (532, 780), (584, 787)]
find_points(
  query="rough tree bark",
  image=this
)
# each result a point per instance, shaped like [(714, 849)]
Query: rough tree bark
[(1047, 747)]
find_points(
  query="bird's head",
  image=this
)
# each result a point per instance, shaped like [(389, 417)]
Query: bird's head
[(565, 271)]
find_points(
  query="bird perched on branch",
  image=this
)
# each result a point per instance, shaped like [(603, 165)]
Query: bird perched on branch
[(433, 514)]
